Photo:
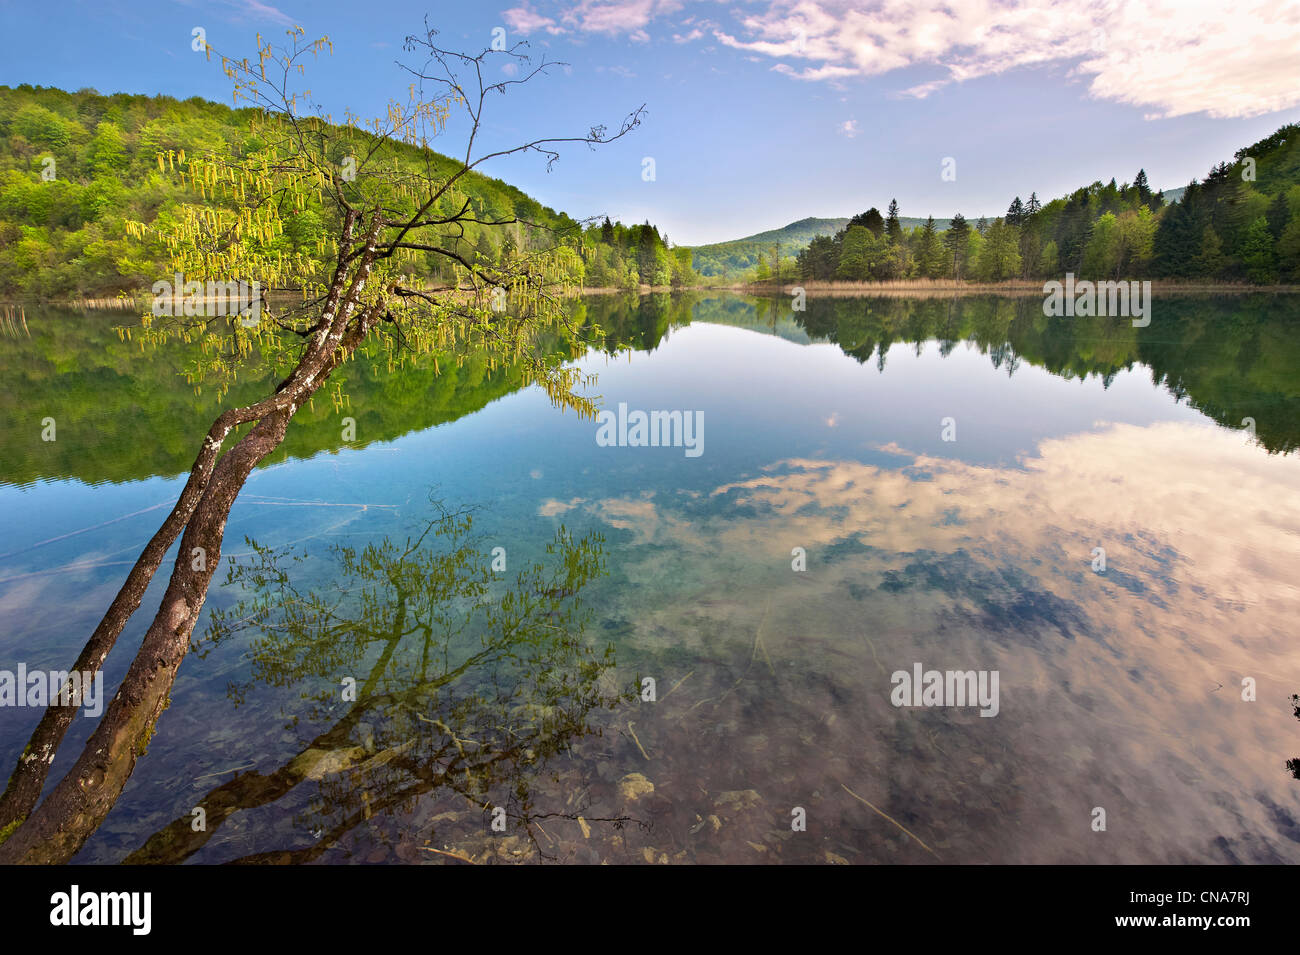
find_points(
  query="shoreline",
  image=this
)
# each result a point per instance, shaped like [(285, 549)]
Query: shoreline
[(1015, 287), (937, 287), (900, 287)]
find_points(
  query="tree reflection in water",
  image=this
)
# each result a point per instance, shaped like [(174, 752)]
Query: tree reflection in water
[(467, 682)]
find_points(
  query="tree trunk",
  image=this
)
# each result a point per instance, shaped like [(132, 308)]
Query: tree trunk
[(28, 778), (78, 804), (81, 800)]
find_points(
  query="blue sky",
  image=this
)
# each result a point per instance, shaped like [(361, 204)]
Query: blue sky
[(760, 112)]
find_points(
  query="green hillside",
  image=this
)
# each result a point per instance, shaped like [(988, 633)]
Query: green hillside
[(725, 259), (802, 231), (74, 167)]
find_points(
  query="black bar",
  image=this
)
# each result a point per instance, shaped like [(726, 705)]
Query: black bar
[(332, 904)]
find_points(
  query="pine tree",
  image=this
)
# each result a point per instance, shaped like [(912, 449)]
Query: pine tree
[(647, 241), (954, 243), (1143, 189), (929, 254), (1016, 212), (893, 228), (819, 260), (1180, 235), (1072, 225)]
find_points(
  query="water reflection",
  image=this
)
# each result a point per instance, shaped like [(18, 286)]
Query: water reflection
[(126, 414), (1121, 689), (436, 681), (1230, 357)]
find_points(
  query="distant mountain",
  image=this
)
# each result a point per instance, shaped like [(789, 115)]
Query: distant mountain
[(800, 233)]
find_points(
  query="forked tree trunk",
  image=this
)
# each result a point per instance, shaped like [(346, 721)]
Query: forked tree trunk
[(55, 831), (78, 804), (28, 779)]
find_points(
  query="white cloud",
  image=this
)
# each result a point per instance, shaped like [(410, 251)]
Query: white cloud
[(610, 17), (265, 11), (622, 71), (523, 19), (848, 128), (1167, 57)]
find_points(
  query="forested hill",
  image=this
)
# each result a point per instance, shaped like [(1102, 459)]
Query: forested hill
[(1241, 223), (74, 167), (732, 259)]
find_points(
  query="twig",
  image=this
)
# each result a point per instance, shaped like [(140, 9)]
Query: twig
[(675, 686), (758, 639), (637, 741), (443, 852), (891, 819), (872, 644), (224, 771)]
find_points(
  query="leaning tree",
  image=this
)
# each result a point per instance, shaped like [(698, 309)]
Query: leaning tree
[(390, 210)]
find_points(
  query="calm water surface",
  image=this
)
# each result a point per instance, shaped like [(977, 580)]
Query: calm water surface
[(477, 688)]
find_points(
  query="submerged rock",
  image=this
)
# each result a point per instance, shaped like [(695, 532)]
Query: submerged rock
[(319, 763), (737, 800), (633, 786)]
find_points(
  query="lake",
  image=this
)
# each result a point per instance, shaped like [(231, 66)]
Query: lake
[(457, 625)]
